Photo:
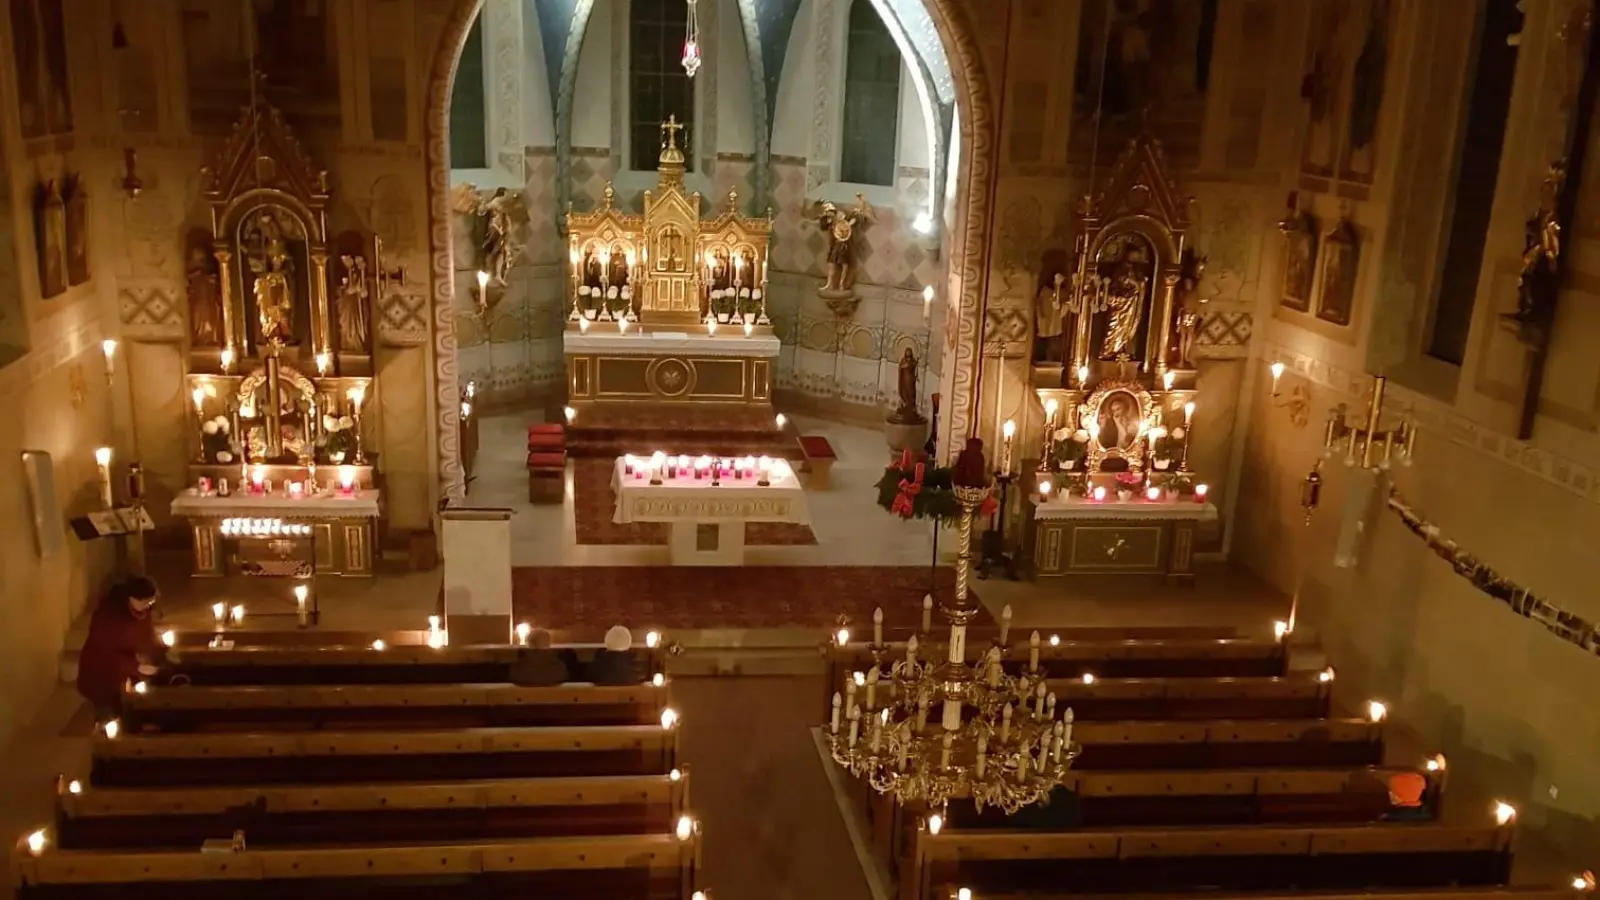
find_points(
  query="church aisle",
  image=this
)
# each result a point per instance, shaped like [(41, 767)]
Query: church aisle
[(772, 828)]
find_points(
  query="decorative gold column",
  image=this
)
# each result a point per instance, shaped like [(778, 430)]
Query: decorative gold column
[(1161, 334), (273, 428), (229, 326), (321, 340)]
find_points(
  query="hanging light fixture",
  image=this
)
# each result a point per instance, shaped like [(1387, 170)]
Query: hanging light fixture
[(691, 39)]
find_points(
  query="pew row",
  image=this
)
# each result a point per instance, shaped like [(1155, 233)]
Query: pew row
[(651, 866), (289, 664), (1307, 696), (198, 708), (464, 811), (1149, 860), (1514, 892), (323, 757)]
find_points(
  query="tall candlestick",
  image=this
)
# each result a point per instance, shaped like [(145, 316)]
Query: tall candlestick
[(1007, 432), (1050, 407)]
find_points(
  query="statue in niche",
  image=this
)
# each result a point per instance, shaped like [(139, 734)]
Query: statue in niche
[(353, 323), (906, 412), (593, 273), (1541, 253), (841, 226), (1188, 306), (77, 230), (204, 286), (1127, 284), (268, 258), (496, 253), (1049, 309), (50, 238)]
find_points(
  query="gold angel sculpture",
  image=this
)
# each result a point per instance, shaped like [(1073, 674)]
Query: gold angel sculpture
[(499, 212)]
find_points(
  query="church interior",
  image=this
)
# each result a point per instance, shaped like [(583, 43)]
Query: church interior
[(986, 448)]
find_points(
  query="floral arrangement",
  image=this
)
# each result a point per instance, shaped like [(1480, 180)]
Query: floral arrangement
[(1568, 626), (915, 490), (1168, 445), (1071, 447), (340, 440), (1127, 481), (216, 440)]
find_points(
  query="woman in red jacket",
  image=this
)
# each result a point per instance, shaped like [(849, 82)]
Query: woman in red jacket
[(122, 645)]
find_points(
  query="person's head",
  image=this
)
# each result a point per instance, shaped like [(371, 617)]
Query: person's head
[(619, 639), (140, 593), (1406, 789), (539, 639)]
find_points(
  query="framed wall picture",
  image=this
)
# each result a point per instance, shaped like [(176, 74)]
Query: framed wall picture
[(1300, 245), (1340, 263)]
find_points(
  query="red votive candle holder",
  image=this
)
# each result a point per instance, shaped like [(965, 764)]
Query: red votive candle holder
[(1200, 491)]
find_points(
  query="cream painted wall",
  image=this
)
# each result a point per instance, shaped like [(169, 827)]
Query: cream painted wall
[(735, 119), (592, 98), (791, 127)]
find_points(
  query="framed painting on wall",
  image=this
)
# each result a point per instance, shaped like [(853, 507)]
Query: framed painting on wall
[(1340, 263), (1300, 240)]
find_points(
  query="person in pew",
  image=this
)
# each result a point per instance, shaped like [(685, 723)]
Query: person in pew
[(1407, 793), (541, 666), (615, 664), (122, 645)]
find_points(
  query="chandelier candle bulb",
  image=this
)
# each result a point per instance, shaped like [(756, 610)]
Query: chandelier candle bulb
[(1005, 724), (877, 626), (994, 669), (877, 733), (872, 689), (833, 721), (1033, 652), (927, 613), (1049, 705), (1022, 765), (983, 754), (950, 717), (850, 696), (855, 724), (944, 749), (1066, 729), (1038, 701), (911, 652), (922, 713), (1005, 624)]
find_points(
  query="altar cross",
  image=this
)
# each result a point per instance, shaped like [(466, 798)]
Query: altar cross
[(670, 128)]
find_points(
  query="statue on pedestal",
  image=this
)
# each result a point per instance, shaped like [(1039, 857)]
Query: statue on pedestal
[(906, 412), (840, 226)]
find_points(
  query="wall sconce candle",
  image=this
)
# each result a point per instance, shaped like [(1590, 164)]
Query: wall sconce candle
[(1008, 430), (927, 303), (109, 348), (1277, 373), (102, 461)]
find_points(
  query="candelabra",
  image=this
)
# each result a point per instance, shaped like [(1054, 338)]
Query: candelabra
[(1367, 444), (997, 741)]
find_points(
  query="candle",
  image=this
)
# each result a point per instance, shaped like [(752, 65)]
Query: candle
[(322, 363), (1005, 624), (992, 669), (927, 303), (237, 615), (1200, 493), (583, 326), (219, 612), (922, 712), (911, 652), (872, 688), (198, 395), (1099, 493), (109, 348), (1038, 702), (1005, 724), (1083, 376), (1066, 730), (1166, 381), (102, 461), (1033, 652), (945, 744), (855, 725), (1044, 490), (300, 593), (1188, 413), (347, 480), (983, 754), (258, 478), (1277, 373), (927, 613), (1152, 493), (749, 329), (877, 625), (877, 731), (226, 359), (850, 695), (711, 327), (833, 720), (1007, 432), (296, 490)]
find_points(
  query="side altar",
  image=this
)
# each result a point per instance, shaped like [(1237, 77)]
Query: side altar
[(282, 482), (668, 307)]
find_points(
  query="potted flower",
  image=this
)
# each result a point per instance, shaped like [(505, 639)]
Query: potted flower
[(1126, 483), (1071, 447), (215, 441), (747, 310), (341, 437), (1167, 447)]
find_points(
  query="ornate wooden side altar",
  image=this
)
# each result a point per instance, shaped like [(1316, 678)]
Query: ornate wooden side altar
[(668, 307), (279, 367)]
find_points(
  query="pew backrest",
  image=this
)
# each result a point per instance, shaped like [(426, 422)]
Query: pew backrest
[(226, 745)]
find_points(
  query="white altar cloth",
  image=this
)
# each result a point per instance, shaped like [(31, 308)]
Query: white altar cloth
[(363, 505), (693, 507), (728, 341), (1078, 508)]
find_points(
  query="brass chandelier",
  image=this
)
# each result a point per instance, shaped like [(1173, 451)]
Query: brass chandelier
[(997, 739)]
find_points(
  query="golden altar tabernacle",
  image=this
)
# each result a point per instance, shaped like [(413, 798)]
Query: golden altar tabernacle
[(281, 482), (1114, 373), (667, 306)]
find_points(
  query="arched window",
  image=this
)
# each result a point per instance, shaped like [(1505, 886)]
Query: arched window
[(871, 99), (658, 87), (469, 132), (1477, 170)]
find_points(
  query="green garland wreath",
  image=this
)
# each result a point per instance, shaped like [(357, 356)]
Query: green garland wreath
[(936, 500)]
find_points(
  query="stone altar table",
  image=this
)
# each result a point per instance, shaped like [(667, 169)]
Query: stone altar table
[(1076, 536), (707, 522), (339, 530)]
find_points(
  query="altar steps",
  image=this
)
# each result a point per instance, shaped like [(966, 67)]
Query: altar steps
[(735, 431)]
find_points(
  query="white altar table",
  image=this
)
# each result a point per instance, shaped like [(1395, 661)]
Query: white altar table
[(1078, 536), (707, 523), (647, 367), (235, 533)]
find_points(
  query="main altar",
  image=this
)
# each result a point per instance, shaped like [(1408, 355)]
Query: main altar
[(279, 368), (1114, 371), (667, 307)]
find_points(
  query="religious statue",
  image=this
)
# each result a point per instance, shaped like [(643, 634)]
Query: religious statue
[(498, 212), (1536, 283), (906, 412), (1189, 306), (1049, 310), (840, 225), (352, 311), (1124, 302), (205, 298), (272, 266)]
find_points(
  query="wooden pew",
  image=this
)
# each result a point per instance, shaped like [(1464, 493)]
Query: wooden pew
[(1524, 892), (1147, 860), (1127, 746), (647, 866), (463, 812), (1301, 696), (1173, 658), (199, 708), (290, 664), (325, 757)]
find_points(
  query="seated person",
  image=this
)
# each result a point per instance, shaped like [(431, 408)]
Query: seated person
[(615, 664), (122, 645), (1407, 791), (539, 665)]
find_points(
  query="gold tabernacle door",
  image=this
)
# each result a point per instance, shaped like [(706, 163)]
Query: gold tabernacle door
[(668, 267)]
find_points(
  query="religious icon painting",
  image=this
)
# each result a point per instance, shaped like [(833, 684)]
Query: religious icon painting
[(76, 230), (1300, 240), (50, 238), (1341, 260)]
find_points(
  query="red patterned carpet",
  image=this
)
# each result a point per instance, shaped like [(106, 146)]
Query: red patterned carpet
[(593, 505), (590, 599)]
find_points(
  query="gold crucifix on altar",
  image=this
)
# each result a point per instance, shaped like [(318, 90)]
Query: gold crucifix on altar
[(670, 128)]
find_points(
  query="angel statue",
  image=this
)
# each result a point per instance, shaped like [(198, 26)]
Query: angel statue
[(840, 226), (1536, 283), (498, 213)]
